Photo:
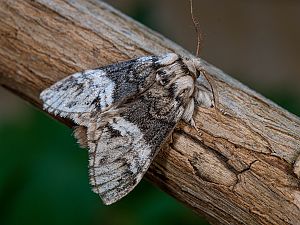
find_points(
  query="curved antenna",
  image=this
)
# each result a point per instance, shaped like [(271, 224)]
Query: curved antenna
[(196, 26)]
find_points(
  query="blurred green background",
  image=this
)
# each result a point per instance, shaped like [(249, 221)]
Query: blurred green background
[(43, 175)]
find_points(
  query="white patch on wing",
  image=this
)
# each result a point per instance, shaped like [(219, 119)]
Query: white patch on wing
[(144, 59), (79, 94), (137, 142), (131, 139), (120, 160), (106, 93)]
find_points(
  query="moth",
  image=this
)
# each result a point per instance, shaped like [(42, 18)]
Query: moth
[(124, 112)]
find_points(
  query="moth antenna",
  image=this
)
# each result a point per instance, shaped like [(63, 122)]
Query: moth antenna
[(197, 29), (207, 77)]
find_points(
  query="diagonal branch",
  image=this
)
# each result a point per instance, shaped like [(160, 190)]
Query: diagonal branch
[(240, 170)]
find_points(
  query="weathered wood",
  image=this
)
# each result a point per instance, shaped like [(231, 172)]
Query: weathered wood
[(240, 170)]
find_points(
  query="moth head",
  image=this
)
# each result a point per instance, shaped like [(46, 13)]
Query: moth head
[(178, 74), (176, 78)]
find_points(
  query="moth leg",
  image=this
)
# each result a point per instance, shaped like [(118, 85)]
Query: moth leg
[(195, 127), (212, 85)]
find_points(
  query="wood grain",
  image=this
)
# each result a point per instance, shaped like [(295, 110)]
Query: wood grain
[(240, 170)]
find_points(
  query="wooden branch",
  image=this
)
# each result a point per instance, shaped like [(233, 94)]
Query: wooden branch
[(239, 171)]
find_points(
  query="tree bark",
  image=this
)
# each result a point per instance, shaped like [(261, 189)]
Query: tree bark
[(244, 168)]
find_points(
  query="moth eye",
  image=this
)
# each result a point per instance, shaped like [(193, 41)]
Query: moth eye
[(161, 77), (161, 72), (163, 82)]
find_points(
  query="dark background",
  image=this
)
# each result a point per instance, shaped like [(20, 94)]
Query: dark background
[(43, 173)]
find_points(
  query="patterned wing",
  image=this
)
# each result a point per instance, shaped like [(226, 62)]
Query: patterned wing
[(99, 89), (126, 111), (122, 153)]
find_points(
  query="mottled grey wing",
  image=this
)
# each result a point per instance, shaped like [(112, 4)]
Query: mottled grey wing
[(99, 89), (125, 111), (122, 153)]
